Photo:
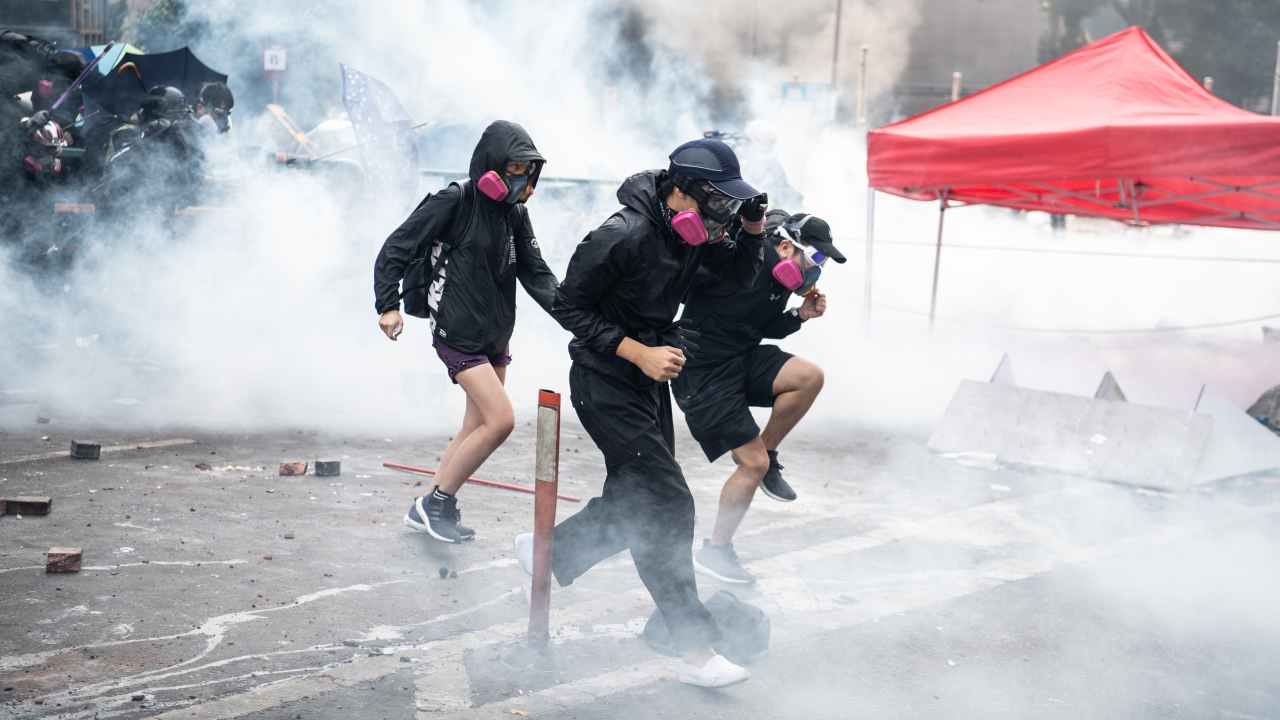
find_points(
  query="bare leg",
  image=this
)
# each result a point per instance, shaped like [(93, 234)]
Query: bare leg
[(794, 390), (483, 430), (470, 421), (739, 489)]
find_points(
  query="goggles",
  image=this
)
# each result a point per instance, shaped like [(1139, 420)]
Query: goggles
[(715, 206), (519, 167), (815, 258)]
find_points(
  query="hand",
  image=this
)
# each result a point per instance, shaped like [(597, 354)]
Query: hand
[(752, 209), (37, 120), (391, 323), (814, 305), (659, 363), (683, 338)]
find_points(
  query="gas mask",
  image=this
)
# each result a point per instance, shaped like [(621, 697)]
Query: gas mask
[(510, 190), (791, 276), (713, 215)]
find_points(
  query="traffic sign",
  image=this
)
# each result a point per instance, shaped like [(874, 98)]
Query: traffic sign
[(275, 60)]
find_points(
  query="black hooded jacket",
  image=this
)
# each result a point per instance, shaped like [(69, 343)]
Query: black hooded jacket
[(475, 298), (732, 321), (628, 277)]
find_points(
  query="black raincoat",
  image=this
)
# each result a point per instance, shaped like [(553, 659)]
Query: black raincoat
[(628, 277), (475, 298), (731, 321)]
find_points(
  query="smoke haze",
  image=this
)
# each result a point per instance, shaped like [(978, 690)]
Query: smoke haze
[(263, 316)]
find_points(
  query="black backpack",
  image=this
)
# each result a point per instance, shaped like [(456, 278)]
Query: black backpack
[(744, 629), (422, 273)]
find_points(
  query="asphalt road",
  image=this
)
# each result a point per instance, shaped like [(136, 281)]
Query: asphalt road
[(899, 585)]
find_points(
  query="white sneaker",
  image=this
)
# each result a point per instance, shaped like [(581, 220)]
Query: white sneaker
[(524, 553), (718, 672)]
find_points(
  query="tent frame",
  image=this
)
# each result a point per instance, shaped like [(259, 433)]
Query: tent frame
[(1129, 192)]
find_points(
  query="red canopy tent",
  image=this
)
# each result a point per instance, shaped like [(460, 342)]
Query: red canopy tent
[(1116, 129)]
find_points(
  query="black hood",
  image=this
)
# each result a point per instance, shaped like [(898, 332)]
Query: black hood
[(502, 142), (640, 193)]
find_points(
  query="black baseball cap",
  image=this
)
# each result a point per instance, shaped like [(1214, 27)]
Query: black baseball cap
[(814, 231), (715, 162)]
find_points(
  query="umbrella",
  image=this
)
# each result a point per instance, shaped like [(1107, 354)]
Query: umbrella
[(121, 91), (384, 131), (109, 62)]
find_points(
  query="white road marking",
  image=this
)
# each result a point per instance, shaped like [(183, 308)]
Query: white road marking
[(113, 448), (993, 524)]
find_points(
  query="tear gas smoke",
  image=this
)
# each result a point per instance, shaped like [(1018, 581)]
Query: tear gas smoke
[(264, 316)]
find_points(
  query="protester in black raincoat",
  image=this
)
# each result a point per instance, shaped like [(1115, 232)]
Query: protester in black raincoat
[(619, 297), (733, 372), (478, 232)]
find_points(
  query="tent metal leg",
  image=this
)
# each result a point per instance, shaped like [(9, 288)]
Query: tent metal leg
[(871, 236), (937, 261)]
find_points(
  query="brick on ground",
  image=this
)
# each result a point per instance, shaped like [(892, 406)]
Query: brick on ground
[(296, 467), (63, 559), (28, 505)]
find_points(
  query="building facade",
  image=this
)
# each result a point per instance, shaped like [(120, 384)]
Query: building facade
[(69, 23)]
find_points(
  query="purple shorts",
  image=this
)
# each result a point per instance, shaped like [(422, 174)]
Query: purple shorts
[(455, 361)]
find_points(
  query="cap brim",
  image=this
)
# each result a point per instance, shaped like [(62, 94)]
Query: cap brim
[(736, 188), (827, 249)]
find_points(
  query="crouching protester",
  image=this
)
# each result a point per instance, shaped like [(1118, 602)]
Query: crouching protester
[(732, 372), (619, 298), (471, 242)]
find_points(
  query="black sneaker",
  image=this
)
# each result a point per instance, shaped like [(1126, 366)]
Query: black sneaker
[(434, 517), (773, 485), (721, 563)]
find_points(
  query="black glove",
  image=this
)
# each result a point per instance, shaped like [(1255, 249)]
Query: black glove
[(37, 120), (681, 335), (752, 210)]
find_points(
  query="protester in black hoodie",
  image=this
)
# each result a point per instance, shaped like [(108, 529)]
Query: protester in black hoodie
[(733, 372), (473, 301), (619, 297)]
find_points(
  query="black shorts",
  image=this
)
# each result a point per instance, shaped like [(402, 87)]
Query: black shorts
[(716, 400)]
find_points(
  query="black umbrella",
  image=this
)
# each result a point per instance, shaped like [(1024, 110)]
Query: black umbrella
[(120, 92)]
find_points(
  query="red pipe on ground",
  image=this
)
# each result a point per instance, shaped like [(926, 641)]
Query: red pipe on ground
[(477, 481)]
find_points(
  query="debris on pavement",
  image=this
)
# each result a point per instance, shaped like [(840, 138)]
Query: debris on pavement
[(85, 450), (328, 468), (1154, 493), (453, 573), (288, 536), (28, 505), (297, 467), (203, 466), (42, 419), (444, 572), (63, 560)]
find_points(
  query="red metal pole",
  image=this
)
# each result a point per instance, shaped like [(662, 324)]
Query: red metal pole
[(477, 481), (546, 480)]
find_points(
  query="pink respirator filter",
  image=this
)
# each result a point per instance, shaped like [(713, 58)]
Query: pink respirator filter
[(491, 185), (788, 274), (44, 88), (688, 225)]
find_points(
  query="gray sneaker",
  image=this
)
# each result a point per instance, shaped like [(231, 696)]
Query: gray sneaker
[(773, 485), (721, 563)]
